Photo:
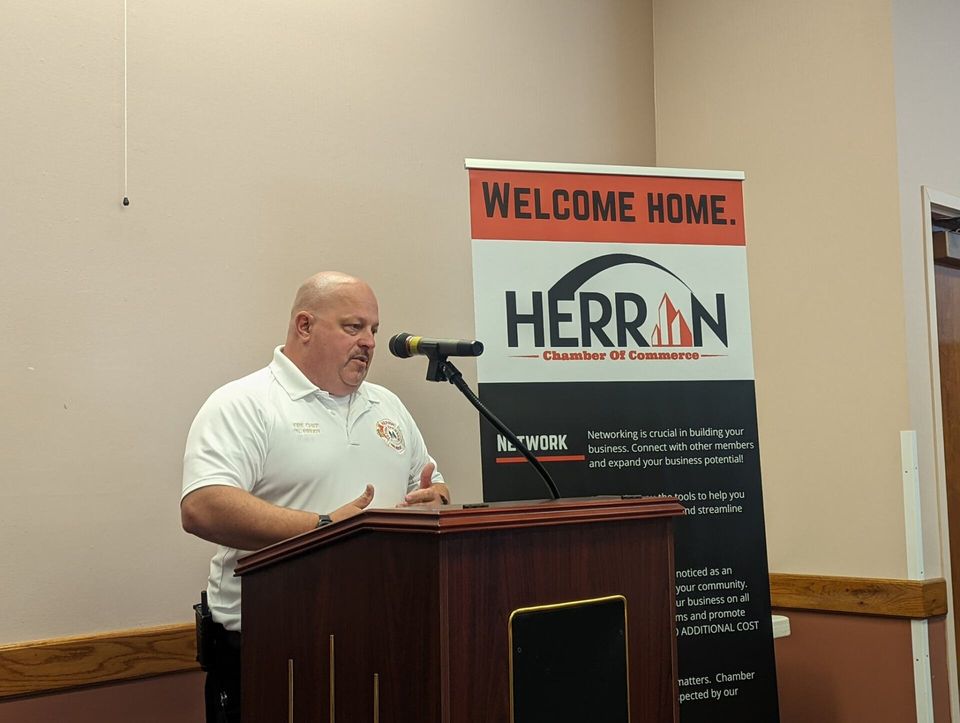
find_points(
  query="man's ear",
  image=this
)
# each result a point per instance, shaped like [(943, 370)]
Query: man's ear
[(303, 322)]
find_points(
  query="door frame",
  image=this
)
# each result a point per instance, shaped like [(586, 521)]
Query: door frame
[(939, 202)]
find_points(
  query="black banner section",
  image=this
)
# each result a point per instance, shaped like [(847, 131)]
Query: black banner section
[(694, 440)]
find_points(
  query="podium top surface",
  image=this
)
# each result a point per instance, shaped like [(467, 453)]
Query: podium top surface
[(454, 519)]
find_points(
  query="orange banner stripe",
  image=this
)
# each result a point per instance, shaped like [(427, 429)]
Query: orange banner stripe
[(555, 458), (538, 206)]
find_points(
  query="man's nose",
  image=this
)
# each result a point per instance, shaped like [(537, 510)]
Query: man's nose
[(368, 339)]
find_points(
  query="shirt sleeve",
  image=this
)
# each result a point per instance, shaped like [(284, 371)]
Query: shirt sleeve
[(226, 444)]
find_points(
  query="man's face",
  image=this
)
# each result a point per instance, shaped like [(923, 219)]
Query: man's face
[(342, 339)]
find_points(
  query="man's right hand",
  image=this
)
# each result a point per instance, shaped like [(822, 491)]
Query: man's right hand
[(353, 508)]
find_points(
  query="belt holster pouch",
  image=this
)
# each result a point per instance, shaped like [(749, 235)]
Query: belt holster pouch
[(205, 633)]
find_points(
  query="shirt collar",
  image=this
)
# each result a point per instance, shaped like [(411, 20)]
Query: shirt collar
[(294, 382)]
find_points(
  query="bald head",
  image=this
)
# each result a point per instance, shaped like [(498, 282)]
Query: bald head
[(331, 336), (318, 290)]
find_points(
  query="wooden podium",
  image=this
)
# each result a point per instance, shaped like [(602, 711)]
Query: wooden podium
[(404, 615)]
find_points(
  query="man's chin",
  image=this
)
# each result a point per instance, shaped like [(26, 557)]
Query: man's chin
[(353, 381)]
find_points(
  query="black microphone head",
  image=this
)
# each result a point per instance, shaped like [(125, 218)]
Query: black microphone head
[(472, 348), (398, 345)]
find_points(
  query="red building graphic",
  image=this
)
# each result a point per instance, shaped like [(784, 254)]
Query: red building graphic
[(677, 330)]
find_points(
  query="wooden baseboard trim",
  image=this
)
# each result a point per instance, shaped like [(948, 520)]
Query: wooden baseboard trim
[(58, 664), (914, 599), (47, 666)]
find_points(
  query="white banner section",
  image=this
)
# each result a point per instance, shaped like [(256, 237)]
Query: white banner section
[(574, 312)]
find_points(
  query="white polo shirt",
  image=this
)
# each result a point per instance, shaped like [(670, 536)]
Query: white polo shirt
[(278, 436)]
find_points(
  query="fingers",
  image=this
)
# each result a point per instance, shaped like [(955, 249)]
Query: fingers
[(424, 493), (365, 499), (426, 475), (355, 507), (428, 496)]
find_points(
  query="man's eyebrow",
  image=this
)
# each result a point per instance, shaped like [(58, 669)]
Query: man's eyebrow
[(356, 319)]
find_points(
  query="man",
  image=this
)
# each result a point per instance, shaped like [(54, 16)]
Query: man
[(301, 443)]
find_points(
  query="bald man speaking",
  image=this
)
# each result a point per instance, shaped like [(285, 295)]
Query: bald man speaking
[(304, 442)]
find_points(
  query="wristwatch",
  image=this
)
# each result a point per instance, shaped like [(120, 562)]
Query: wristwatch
[(323, 521)]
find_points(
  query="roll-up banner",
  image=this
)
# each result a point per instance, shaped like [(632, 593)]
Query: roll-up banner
[(612, 303)]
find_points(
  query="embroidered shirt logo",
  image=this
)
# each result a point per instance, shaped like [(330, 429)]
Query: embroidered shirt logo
[(390, 433), (307, 429)]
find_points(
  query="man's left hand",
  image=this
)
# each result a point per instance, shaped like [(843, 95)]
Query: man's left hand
[(428, 494)]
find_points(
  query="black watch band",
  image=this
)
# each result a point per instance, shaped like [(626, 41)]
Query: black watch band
[(324, 520)]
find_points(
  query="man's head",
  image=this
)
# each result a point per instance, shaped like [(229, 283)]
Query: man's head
[(332, 331)]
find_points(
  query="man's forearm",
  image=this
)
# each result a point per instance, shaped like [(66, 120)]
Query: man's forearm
[(235, 518)]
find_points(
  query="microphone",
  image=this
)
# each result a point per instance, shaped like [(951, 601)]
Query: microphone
[(405, 345)]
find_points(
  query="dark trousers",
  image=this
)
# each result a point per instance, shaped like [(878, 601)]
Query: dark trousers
[(222, 689)]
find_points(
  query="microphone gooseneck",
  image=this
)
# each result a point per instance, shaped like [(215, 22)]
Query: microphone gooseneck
[(453, 375)]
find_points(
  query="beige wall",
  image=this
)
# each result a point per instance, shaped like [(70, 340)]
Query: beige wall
[(266, 141), (800, 97)]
